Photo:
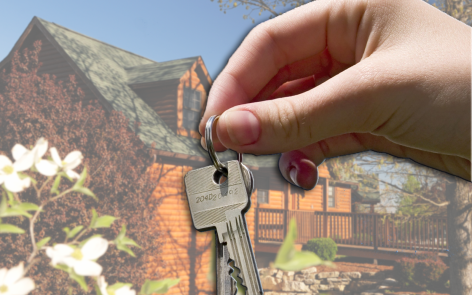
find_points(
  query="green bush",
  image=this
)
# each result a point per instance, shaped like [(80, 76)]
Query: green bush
[(325, 248), (428, 272), (423, 270), (404, 270)]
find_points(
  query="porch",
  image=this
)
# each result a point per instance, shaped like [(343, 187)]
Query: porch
[(378, 236)]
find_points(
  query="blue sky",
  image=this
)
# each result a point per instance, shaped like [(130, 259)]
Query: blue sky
[(159, 30)]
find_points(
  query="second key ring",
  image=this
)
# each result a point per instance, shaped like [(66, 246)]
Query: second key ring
[(211, 149)]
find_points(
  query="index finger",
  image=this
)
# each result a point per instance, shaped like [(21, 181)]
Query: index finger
[(293, 36)]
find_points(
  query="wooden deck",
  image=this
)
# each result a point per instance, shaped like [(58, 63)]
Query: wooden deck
[(356, 234)]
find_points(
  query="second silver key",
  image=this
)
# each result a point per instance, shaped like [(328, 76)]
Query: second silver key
[(222, 206)]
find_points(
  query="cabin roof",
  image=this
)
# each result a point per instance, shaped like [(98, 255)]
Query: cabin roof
[(162, 71), (110, 71)]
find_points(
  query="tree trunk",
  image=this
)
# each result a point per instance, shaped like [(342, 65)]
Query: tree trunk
[(459, 219)]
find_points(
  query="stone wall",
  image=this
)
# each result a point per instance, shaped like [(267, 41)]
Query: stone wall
[(309, 281)]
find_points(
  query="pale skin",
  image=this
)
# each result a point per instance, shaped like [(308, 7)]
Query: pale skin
[(333, 78)]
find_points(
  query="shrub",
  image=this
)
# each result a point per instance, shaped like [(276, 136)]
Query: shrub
[(423, 270), (404, 270), (429, 272), (325, 248)]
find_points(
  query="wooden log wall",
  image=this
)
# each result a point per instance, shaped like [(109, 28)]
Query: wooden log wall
[(192, 79)]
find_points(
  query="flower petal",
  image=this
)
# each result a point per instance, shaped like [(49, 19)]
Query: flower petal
[(13, 275), (18, 151), (4, 161), (102, 285), (23, 286), (94, 248), (87, 268), (46, 167), (25, 162), (63, 249), (14, 184), (73, 160), (41, 148), (125, 290), (69, 261), (72, 174), (3, 272), (55, 156)]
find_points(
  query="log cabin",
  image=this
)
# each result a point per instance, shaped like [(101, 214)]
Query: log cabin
[(167, 99)]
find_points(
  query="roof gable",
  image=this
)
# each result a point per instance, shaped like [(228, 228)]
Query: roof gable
[(108, 71)]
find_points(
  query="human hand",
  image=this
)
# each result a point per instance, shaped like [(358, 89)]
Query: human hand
[(339, 77)]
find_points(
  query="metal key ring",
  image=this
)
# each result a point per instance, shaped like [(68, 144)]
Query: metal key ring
[(211, 149)]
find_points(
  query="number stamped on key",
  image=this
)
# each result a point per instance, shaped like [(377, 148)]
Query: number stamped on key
[(214, 196)]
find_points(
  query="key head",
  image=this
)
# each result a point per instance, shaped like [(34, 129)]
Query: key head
[(208, 200)]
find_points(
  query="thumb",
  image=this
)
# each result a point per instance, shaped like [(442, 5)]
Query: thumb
[(340, 105)]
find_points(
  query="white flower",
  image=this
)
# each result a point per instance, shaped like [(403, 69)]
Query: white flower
[(125, 290), (34, 157), (71, 161), (80, 259), (9, 174), (13, 283)]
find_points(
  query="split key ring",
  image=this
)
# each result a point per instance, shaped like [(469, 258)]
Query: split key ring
[(211, 149)]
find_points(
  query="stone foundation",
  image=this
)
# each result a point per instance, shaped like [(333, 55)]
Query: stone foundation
[(309, 281)]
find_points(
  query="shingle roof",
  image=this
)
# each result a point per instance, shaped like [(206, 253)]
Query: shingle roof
[(111, 70), (162, 71)]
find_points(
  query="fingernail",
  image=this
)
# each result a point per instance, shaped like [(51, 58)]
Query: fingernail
[(299, 169), (203, 143), (242, 126), (293, 175)]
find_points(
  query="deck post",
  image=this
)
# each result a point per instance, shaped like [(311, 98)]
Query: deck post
[(325, 208), (256, 224), (375, 233)]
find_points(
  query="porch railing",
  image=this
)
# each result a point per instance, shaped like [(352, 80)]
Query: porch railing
[(359, 229)]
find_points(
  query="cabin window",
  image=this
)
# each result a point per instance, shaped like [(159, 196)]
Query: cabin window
[(331, 197), (192, 108), (262, 196)]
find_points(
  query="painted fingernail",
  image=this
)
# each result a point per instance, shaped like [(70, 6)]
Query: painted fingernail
[(242, 126), (299, 169), (293, 175)]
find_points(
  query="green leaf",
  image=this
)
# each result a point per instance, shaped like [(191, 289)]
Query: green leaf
[(118, 285), (159, 287), (81, 181), (63, 174), (14, 211), (79, 279), (97, 290), (289, 259), (74, 232), (124, 248), (42, 242), (28, 206), (63, 267), (94, 217), (128, 241), (103, 221), (11, 197), (55, 186), (66, 230), (122, 233), (10, 229), (3, 206), (85, 191)]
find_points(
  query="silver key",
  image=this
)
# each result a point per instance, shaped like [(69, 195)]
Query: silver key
[(222, 207)]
